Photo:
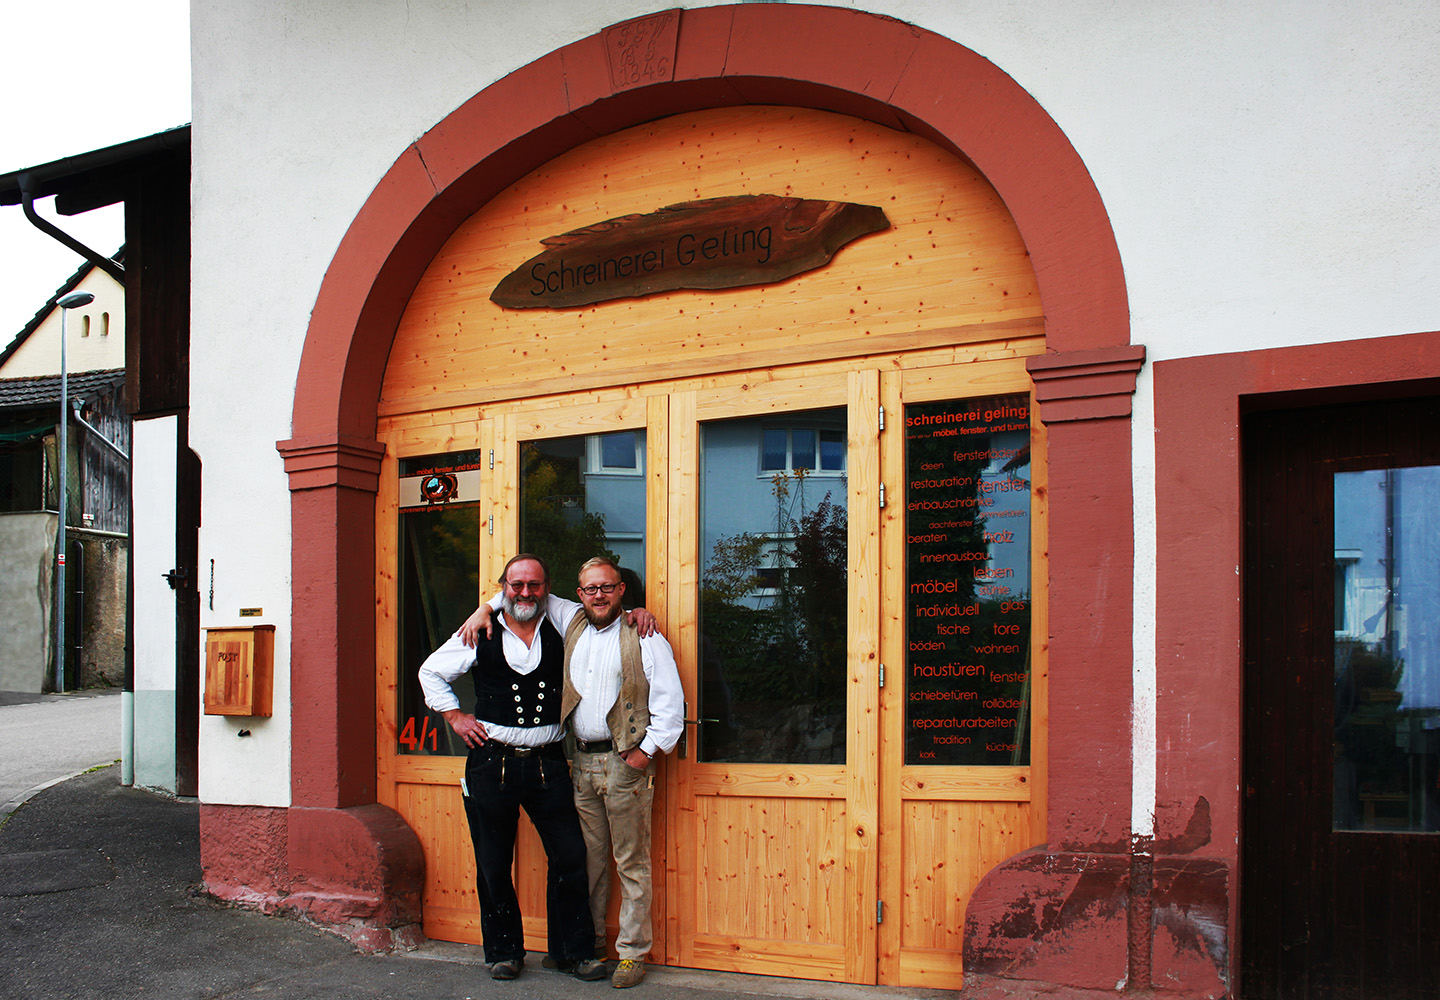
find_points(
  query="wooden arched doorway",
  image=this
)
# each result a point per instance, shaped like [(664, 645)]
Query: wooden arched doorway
[(799, 811), (523, 120)]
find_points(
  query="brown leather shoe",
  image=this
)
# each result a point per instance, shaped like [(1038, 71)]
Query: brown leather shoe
[(590, 969), (629, 972)]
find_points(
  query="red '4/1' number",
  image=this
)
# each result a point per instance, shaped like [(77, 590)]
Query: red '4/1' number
[(407, 735)]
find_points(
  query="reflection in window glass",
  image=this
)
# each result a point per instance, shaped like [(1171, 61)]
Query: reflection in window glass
[(774, 450), (1387, 650), (796, 449), (773, 635), (439, 569), (968, 593), (617, 451), (569, 514), (802, 448)]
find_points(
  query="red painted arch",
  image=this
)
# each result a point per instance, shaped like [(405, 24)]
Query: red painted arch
[(853, 63)]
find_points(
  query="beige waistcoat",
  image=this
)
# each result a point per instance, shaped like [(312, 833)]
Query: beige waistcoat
[(629, 717)]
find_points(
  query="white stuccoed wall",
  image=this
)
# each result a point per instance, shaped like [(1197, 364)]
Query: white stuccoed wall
[(1270, 172), (153, 546)]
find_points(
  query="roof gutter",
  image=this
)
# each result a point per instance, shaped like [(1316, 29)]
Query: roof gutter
[(27, 200)]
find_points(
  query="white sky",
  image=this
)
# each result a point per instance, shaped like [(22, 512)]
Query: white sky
[(121, 72)]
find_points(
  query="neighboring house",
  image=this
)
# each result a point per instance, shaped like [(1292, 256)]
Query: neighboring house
[(97, 492), (151, 177)]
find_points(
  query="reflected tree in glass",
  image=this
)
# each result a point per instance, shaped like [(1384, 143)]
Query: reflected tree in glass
[(773, 598)]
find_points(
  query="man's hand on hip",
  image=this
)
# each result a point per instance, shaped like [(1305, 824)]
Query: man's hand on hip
[(467, 727)]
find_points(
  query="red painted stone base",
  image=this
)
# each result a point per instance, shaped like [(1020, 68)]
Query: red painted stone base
[(356, 872), (1057, 918), (1043, 919)]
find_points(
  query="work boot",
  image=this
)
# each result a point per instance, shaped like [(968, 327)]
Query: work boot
[(629, 972), (590, 969)]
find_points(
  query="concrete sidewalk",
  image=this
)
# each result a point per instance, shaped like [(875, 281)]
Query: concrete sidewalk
[(53, 736), (100, 898)]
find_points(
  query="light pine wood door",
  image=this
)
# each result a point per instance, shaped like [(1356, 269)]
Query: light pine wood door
[(804, 830), (775, 593), (951, 808)]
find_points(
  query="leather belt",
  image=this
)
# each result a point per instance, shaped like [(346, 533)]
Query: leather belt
[(595, 746), (507, 750)]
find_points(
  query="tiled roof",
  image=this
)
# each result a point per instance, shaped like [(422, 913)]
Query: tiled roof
[(44, 390)]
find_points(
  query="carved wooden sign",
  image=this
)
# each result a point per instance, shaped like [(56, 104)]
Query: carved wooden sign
[(714, 243)]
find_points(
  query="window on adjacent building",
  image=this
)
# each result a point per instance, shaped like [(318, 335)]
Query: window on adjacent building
[(809, 449)]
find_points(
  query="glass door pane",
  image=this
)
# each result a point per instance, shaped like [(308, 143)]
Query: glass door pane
[(967, 588), (438, 579), (773, 600), (1387, 650), (584, 496)]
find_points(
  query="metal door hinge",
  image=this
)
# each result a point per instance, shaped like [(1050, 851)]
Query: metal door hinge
[(882, 418), (879, 911), (882, 675), (882, 495), (492, 524), (492, 458)]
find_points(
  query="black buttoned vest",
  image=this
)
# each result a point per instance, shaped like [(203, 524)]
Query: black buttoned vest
[(522, 700)]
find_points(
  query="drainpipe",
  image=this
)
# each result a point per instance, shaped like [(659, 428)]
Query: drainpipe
[(76, 408), (27, 202), (78, 589)]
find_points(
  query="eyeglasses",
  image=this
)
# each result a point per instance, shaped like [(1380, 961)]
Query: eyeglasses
[(520, 586), (599, 588)]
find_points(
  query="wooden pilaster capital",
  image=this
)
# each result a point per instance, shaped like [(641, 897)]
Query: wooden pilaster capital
[(1086, 385), (344, 460)]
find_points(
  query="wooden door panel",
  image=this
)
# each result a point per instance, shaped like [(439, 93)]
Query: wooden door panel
[(772, 869), (947, 848), (759, 867), (437, 816), (944, 827), (781, 857)]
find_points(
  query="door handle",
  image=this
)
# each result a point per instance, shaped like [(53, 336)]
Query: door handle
[(683, 748)]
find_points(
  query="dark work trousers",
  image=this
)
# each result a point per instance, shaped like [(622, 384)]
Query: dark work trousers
[(500, 784)]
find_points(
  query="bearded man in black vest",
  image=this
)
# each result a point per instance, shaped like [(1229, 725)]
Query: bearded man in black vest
[(517, 761)]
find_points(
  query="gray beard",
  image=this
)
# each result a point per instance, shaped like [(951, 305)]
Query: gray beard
[(523, 612)]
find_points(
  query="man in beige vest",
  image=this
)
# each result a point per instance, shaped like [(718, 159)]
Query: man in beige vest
[(623, 698)]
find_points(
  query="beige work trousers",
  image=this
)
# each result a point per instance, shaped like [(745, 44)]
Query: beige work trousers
[(613, 800)]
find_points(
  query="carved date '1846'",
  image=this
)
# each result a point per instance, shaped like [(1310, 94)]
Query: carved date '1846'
[(714, 243)]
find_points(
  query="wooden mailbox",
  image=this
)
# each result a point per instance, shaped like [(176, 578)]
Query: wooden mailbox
[(239, 670)]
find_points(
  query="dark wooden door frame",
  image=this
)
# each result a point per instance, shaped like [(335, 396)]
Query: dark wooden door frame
[(1324, 914)]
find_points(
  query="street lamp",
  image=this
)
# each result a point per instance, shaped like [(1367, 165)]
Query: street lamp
[(66, 302)]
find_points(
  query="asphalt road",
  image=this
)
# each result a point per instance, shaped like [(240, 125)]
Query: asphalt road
[(44, 738), (101, 899)]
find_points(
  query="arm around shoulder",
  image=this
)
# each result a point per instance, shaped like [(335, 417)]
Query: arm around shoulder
[(667, 696)]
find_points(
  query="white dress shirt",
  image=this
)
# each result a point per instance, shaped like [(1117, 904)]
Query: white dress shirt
[(595, 672), (442, 667)]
